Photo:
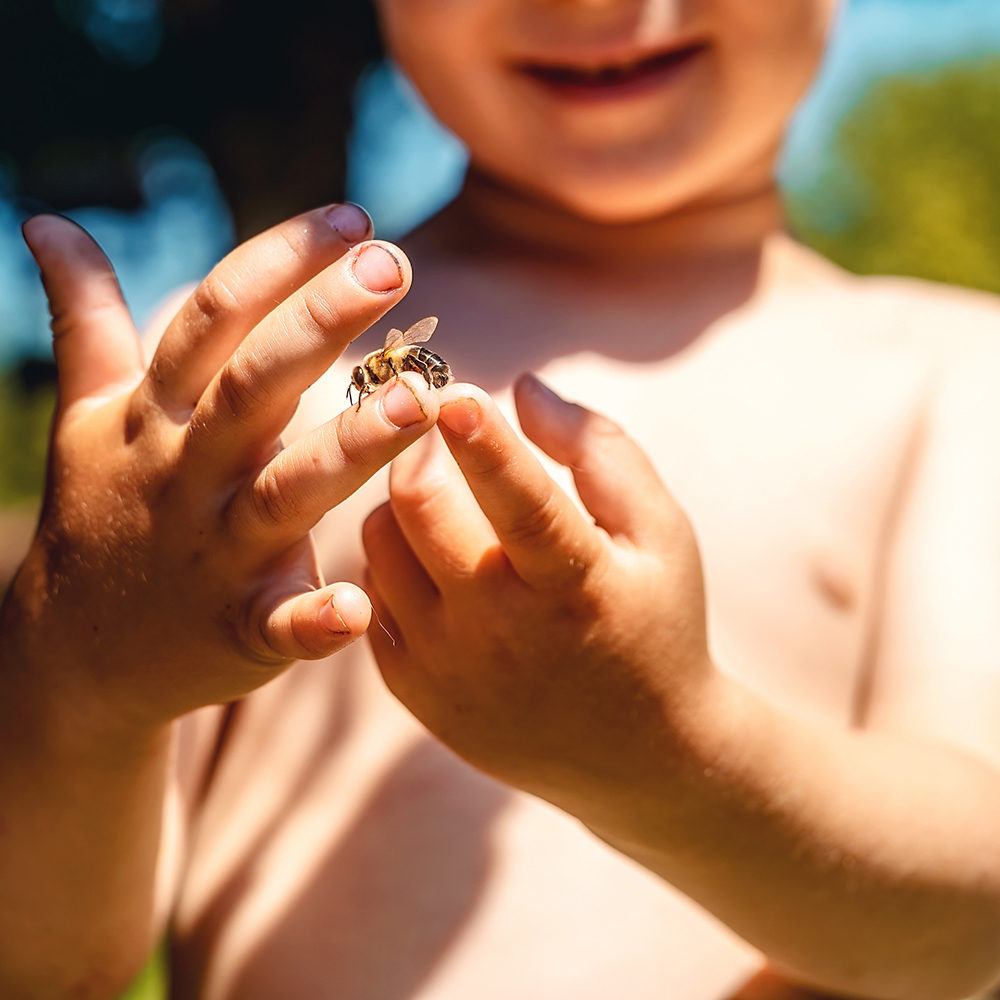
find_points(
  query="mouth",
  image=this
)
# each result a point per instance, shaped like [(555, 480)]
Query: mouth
[(612, 80)]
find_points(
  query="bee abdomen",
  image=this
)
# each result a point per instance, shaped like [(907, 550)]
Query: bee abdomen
[(433, 367), (440, 374)]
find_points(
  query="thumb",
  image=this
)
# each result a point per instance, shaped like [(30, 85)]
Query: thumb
[(310, 625), (95, 342), (616, 481)]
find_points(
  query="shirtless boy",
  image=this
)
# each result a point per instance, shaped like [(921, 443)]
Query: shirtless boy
[(754, 766)]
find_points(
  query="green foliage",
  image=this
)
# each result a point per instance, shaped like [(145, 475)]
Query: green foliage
[(25, 415), (914, 184), (152, 981)]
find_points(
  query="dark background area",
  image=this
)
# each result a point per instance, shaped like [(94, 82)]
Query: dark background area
[(262, 87)]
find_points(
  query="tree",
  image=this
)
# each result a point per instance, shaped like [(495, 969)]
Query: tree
[(915, 180)]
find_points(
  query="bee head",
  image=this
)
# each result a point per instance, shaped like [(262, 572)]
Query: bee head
[(358, 377)]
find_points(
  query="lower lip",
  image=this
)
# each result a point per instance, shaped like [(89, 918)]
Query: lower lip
[(646, 80)]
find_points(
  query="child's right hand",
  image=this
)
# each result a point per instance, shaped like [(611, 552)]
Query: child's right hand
[(173, 567)]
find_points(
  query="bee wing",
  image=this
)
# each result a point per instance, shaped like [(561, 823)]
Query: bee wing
[(420, 331), (394, 338)]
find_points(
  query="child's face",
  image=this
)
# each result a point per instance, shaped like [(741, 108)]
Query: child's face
[(690, 102)]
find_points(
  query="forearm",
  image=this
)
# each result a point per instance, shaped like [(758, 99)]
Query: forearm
[(863, 863), (81, 828)]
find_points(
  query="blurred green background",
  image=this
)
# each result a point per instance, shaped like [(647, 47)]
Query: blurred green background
[(892, 165), (151, 984), (912, 184)]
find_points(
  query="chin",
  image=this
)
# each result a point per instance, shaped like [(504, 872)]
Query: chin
[(613, 182), (618, 200)]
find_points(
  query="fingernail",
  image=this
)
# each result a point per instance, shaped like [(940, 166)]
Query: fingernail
[(352, 222), (401, 405), (331, 621), (377, 269), (537, 386), (461, 416)]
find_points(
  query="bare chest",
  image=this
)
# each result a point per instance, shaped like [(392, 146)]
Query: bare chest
[(344, 854)]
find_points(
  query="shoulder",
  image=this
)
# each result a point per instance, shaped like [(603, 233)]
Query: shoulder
[(942, 342), (928, 352), (944, 324)]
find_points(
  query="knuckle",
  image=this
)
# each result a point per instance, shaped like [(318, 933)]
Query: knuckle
[(356, 453), (241, 387), (534, 524), (136, 418), (319, 311), (213, 300), (489, 463), (578, 571), (591, 583), (103, 303), (256, 641), (291, 237), (571, 578), (61, 322), (261, 649), (273, 504)]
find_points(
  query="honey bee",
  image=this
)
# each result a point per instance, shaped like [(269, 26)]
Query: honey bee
[(401, 354)]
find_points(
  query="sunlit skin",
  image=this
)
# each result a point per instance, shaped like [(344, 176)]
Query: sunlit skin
[(706, 130), (762, 664)]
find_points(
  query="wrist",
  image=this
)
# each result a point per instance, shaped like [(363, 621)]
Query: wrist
[(53, 708), (688, 772)]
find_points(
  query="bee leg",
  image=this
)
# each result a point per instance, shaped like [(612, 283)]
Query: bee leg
[(413, 365)]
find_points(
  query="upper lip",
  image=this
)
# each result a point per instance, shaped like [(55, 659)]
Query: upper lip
[(608, 71)]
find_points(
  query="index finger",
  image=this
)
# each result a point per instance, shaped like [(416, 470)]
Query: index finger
[(546, 538), (241, 291)]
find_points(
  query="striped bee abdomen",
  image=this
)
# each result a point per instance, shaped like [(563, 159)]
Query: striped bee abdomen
[(433, 368)]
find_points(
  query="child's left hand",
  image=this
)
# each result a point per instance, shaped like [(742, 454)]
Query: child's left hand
[(565, 657)]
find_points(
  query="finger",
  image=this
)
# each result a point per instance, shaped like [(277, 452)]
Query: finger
[(95, 342), (616, 481), (240, 291), (253, 396), (438, 515), (312, 625), (403, 587), (544, 535), (297, 487)]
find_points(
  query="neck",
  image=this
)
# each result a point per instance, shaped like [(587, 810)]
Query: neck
[(492, 218)]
